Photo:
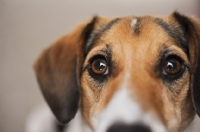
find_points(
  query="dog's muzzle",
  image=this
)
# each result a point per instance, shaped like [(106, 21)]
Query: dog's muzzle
[(120, 127)]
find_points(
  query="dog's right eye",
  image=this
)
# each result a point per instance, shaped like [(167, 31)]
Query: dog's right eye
[(173, 67)]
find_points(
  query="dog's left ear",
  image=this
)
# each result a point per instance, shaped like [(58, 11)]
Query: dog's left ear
[(191, 30), (58, 72)]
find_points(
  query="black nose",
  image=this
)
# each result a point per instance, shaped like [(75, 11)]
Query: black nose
[(120, 127)]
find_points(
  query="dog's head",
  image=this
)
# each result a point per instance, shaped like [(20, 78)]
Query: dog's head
[(131, 73)]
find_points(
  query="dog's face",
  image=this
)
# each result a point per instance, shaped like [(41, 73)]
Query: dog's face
[(132, 73)]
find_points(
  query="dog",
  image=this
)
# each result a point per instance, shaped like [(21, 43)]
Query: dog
[(133, 74)]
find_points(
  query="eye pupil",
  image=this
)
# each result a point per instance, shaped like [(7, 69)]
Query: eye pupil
[(99, 66)]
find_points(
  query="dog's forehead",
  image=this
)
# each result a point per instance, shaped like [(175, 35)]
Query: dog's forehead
[(132, 33), (134, 30), (138, 32), (138, 27)]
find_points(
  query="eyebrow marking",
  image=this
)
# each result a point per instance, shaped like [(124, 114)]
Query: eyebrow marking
[(109, 25), (95, 35), (175, 33), (135, 25)]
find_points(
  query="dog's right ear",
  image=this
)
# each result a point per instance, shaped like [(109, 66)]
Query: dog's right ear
[(58, 72), (191, 29)]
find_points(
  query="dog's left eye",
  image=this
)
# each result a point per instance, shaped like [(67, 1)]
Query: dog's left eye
[(173, 66), (99, 66)]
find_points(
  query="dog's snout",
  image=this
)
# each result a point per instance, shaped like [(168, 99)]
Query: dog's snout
[(120, 127)]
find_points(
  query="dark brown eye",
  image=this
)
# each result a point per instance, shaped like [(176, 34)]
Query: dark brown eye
[(172, 66), (99, 67)]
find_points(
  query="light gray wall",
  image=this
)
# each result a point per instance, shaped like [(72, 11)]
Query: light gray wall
[(28, 26)]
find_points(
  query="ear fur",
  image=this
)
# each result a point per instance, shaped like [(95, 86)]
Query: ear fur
[(196, 80), (58, 72), (191, 28)]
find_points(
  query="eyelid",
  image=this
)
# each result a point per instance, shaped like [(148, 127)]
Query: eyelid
[(173, 50), (97, 56)]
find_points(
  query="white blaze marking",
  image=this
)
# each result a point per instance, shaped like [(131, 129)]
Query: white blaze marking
[(78, 124), (134, 22)]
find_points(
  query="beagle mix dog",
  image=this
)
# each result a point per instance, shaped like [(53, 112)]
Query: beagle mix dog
[(133, 74)]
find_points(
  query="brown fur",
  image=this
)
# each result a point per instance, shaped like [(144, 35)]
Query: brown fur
[(132, 53)]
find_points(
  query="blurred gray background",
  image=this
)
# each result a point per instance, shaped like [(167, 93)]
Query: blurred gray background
[(28, 26)]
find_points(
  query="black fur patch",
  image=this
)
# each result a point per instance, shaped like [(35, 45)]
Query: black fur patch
[(175, 33), (108, 26), (196, 84), (87, 32)]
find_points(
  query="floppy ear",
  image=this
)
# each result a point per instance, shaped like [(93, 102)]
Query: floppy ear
[(58, 72), (191, 28)]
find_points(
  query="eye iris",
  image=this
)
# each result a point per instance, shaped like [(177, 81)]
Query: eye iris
[(172, 67), (99, 66)]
